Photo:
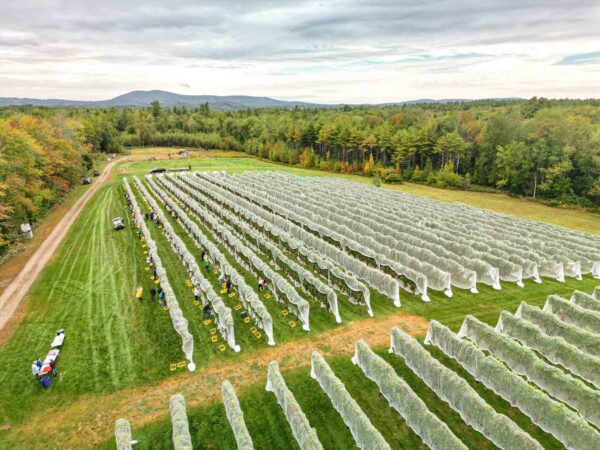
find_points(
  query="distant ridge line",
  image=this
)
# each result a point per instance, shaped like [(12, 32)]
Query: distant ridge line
[(140, 98)]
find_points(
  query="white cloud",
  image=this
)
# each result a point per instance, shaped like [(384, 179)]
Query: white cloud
[(335, 51)]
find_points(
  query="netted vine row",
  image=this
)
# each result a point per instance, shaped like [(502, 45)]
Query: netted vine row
[(305, 435), (279, 286), (248, 297), (179, 321), (223, 315), (551, 416)]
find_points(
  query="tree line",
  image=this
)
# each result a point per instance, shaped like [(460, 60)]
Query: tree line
[(540, 148)]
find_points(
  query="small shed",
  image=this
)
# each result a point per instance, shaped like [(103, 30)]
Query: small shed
[(26, 231)]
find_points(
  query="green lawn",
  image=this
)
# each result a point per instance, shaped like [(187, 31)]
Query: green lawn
[(268, 427), (114, 342)]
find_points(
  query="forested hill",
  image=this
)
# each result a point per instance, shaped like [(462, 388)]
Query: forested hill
[(170, 99), (167, 99)]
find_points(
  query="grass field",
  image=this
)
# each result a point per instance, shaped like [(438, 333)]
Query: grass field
[(116, 346)]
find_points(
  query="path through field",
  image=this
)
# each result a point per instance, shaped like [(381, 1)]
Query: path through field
[(16, 290), (91, 419)]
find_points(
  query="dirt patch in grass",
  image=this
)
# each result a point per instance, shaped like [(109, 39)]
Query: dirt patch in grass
[(91, 419)]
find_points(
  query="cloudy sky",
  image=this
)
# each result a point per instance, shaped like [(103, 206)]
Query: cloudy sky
[(326, 51)]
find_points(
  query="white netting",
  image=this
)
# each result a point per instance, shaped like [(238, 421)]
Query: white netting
[(490, 244), (309, 283), (248, 297), (346, 229), (224, 318), (553, 326), (236, 417), (365, 434), (122, 434), (403, 399), (181, 431), (586, 301), (554, 349), (461, 397), (222, 201), (246, 257), (305, 435), (378, 279), (524, 361), (573, 314), (551, 416), (179, 322)]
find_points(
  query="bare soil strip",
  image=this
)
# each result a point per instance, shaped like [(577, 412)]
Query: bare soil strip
[(91, 419), (18, 288)]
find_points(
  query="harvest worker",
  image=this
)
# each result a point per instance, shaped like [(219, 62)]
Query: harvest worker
[(138, 293), (35, 370), (221, 277), (152, 292), (196, 293), (228, 285), (53, 367), (161, 297), (206, 311), (206, 263), (261, 284)]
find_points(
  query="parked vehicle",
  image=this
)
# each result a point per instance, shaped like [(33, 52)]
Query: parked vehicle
[(158, 170), (118, 223)]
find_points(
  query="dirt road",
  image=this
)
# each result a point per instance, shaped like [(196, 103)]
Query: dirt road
[(16, 290)]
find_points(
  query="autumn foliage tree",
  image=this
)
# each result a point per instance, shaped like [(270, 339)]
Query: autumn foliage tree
[(40, 161)]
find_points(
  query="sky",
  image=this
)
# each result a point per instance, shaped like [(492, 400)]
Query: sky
[(338, 51)]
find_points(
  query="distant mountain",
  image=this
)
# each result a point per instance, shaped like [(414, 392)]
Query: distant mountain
[(170, 99)]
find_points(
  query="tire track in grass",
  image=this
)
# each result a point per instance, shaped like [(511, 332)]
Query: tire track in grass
[(117, 294), (93, 306), (66, 254), (104, 299)]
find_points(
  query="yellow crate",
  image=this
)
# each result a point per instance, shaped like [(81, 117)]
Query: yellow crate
[(253, 329), (173, 367), (157, 281), (292, 324), (207, 322), (166, 308), (232, 295), (284, 312), (267, 296), (223, 291), (237, 307), (196, 302), (147, 268), (222, 347), (181, 364), (246, 319), (214, 338), (213, 331), (257, 335)]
